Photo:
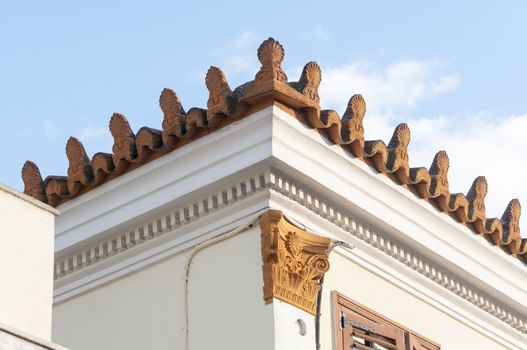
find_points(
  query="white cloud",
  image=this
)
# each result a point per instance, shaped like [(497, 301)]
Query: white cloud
[(95, 139), (236, 56), (245, 38), (400, 85), (478, 146), (477, 143), (91, 132), (241, 63)]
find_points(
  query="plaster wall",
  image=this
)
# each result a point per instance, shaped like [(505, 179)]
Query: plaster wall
[(390, 301), (26, 263), (146, 310)]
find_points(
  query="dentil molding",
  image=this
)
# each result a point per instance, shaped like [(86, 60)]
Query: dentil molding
[(273, 180)]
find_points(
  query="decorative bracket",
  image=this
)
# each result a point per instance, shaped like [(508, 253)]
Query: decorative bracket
[(294, 261)]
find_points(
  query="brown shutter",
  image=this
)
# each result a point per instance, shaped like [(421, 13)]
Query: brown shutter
[(363, 334), (360, 328), (414, 343)]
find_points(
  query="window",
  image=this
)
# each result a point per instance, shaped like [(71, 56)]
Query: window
[(359, 328)]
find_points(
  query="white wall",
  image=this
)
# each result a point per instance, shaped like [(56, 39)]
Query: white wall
[(394, 303), (26, 263), (146, 310)]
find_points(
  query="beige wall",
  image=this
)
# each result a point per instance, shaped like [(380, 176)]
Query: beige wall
[(26, 263), (146, 310), (394, 303)]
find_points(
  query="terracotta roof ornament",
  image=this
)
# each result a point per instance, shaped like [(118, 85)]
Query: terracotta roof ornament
[(476, 199), (33, 184), (353, 129), (124, 149), (220, 102), (310, 81), (173, 116), (398, 162), (80, 172), (301, 100), (270, 55), (439, 187), (511, 229)]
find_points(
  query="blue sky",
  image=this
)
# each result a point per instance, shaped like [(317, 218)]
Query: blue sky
[(455, 71)]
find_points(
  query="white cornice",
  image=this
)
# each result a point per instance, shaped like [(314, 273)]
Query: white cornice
[(431, 283), (29, 199), (167, 223), (153, 188), (136, 219), (328, 170)]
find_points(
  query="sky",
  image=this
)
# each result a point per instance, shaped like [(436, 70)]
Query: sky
[(454, 71)]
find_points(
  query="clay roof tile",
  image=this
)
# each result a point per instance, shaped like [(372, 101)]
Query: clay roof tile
[(271, 85)]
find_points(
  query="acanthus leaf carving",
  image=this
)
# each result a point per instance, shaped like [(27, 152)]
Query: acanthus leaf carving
[(294, 261), (310, 81), (33, 183), (271, 55)]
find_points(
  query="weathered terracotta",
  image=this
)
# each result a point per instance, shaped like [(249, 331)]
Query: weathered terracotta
[(301, 100)]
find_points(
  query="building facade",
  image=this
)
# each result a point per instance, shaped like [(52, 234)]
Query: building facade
[(266, 222), (26, 267)]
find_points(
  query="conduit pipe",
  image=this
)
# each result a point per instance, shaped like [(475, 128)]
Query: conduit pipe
[(222, 237)]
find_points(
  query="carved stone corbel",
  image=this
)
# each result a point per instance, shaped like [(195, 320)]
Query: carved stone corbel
[(294, 261)]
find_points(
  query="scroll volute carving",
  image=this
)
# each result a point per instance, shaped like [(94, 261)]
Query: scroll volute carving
[(476, 198), (33, 183), (294, 261), (220, 94), (511, 227), (124, 147), (398, 160), (310, 81), (352, 122), (79, 170), (270, 55), (173, 115)]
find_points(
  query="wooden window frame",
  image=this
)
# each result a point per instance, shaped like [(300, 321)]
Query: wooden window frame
[(412, 340)]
